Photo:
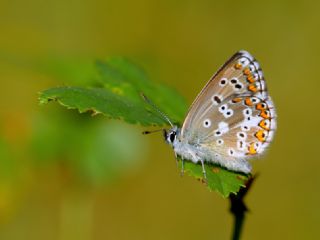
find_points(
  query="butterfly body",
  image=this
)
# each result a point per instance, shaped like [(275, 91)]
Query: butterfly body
[(232, 119), (197, 152)]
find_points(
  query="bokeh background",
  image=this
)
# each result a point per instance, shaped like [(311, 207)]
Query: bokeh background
[(69, 176)]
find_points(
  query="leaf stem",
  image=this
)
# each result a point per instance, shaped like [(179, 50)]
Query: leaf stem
[(238, 208)]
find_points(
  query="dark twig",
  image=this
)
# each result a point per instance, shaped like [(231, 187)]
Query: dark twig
[(238, 208)]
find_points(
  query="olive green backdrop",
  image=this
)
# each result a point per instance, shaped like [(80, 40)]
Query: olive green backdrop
[(181, 43)]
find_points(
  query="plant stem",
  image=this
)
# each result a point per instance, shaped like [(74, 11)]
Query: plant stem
[(238, 208)]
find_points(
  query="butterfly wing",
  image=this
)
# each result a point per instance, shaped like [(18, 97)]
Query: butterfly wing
[(233, 117)]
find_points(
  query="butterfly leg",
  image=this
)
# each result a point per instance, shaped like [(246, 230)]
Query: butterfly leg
[(177, 162), (203, 170), (182, 167)]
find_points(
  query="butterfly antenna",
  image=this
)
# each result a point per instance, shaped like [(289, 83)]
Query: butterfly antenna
[(148, 132), (165, 117)]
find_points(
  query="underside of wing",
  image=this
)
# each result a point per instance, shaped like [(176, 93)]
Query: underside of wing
[(240, 75), (233, 118), (248, 132)]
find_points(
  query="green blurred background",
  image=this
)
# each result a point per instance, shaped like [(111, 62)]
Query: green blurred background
[(69, 176)]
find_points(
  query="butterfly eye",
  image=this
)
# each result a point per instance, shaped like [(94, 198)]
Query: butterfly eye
[(172, 136)]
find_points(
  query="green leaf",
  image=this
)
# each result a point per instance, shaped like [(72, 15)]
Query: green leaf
[(115, 90), (119, 95), (218, 179)]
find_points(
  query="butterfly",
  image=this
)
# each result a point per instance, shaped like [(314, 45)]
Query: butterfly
[(232, 119)]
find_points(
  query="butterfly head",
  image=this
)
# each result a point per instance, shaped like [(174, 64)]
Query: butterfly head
[(171, 135)]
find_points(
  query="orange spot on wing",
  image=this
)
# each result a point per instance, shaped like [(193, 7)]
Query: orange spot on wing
[(248, 101), (263, 125), (246, 71), (252, 88), (237, 66), (259, 106), (261, 136), (265, 114), (251, 149), (250, 79), (236, 100)]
